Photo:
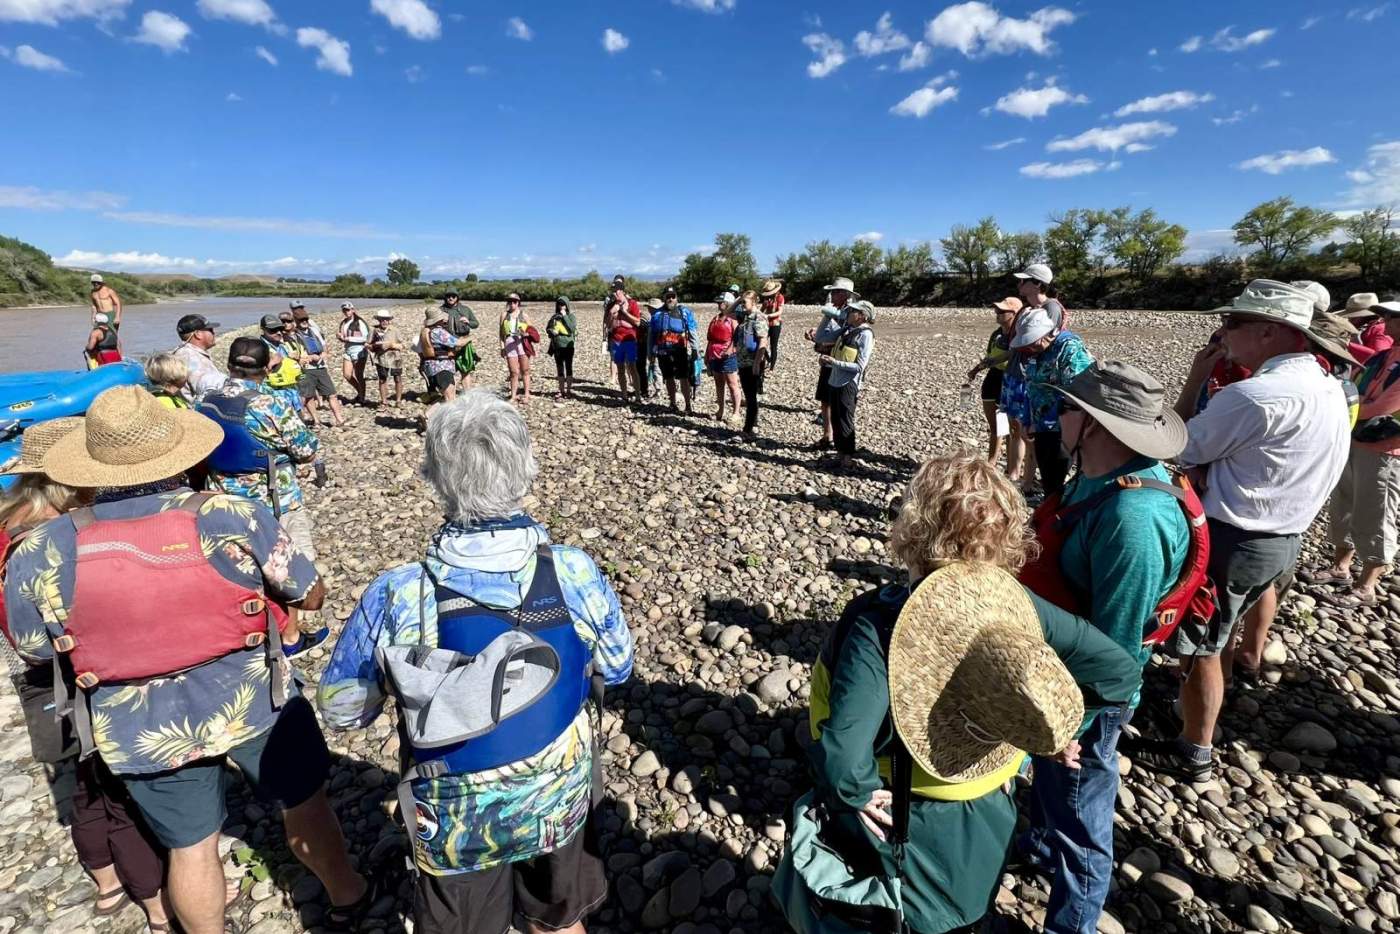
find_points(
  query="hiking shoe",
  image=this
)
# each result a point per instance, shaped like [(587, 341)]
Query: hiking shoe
[(319, 469), (306, 642), (344, 919), (1164, 756)]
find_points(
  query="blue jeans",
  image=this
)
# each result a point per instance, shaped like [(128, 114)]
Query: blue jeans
[(1071, 830)]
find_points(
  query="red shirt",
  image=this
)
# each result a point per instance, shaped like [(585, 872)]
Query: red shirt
[(622, 329)]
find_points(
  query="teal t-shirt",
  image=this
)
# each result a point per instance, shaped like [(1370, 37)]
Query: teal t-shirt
[(1126, 553)]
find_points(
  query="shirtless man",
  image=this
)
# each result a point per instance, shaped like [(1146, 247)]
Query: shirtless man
[(106, 302)]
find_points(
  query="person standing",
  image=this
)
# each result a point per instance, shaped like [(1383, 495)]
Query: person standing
[(1272, 448), (823, 338), (675, 344), (610, 299), (105, 301), (315, 383), (515, 348), (620, 322), (196, 337), (773, 301), (1049, 358), (722, 358), (1128, 540), (103, 345), (437, 347), (388, 355), (205, 684), (847, 362), (461, 320), (751, 345), (283, 371), (1374, 335), (994, 361), (354, 338), (1032, 285), (563, 331)]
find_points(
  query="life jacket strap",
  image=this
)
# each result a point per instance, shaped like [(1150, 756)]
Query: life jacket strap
[(65, 643), (408, 807)]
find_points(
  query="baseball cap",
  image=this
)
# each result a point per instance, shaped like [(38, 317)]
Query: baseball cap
[(271, 323), (191, 323), (95, 279), (670, 292), (294, 305), (347, 306), (1039, 272)]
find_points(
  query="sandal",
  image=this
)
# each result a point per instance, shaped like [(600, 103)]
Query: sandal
[(1325, 576), (122, 900), (1352, 600)]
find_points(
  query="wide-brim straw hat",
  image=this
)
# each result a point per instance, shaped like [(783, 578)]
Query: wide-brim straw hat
[(36, 441), (1360, 305), (771, 287), (841, 283), (973, 684), (128, 438), (1131, 405), (434, 316)]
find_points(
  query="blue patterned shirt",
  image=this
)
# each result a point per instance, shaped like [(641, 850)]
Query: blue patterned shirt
[(479, 820), (1026, 394), (277, 425), (164, 723)]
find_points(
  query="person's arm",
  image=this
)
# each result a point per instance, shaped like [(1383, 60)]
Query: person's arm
[(425, 344), (843, 756), (204, 376), (295, 438), (472, 322), (863, 348), (571, 323), (1201, 367), (1387, 402), (591, 598), (351, 693), (117, 305), (1233, 421), (33, 592), (94, 337), (1106, 674)]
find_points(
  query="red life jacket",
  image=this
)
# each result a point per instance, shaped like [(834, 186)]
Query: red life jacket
[(1192, 595), (172, 610), (622, 329), (719, 338)]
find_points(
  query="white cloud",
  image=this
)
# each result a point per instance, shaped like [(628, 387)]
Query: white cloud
[(1174, 100), (29, 198), (830, 53), (333, 54), (478, 70), (248, 12), (707, 6), (883, 40), (1235, 116), (1114, 138), (52, 12), (1310, 22), (233, 97), (1004, 144), (29, 57), (1152, 53), (1274, 163), (265, 55), (1271, 63), (1226, 41), (870, 236), (414, 74), (1369, 14), (922, 102), (917, 57), (1036, 102), (517, 28), (1378, 179), (412, 16), (313, 228), (137, 261), (977, 28), (1191, 45), (164, 31), (1055, 170), (614, 41)]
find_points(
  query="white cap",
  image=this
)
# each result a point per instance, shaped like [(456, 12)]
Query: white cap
[(1039, 272), (1031, 327), (725, 298), (96, 278), (346, 306)]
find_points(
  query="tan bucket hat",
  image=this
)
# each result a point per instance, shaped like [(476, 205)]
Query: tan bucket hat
[(1132, 405), (771, 287), (432, 316), (1360, 305), (1334, 334), (843, 284), (972, 683), (128, 438), (36, 441)]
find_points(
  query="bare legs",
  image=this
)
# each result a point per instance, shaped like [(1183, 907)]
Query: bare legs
[(989, 408)]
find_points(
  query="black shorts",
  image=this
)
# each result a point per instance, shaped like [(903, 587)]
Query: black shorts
[(553, 890), (823, 394), (285, 765), (675, 364), (440, 380), (384, 372), (991, 385)]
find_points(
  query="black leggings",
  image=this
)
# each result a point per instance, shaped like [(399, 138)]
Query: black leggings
[(1051, 460), (843, 417), (750, 381), (643, 347), (775, 331), (564, 362)]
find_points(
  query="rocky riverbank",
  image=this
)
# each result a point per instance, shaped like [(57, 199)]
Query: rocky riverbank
[(732, 558)]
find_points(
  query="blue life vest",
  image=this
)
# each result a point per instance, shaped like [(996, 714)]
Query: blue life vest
[(467, 627), (240, 451), (311, 341)]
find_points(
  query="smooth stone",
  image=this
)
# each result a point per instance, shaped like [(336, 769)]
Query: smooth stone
[(1169, 888), (646, 764)]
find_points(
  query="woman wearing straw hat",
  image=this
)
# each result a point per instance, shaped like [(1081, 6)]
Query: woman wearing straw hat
[(773, 301), (112, 841), (1360, 311), (966, 670)]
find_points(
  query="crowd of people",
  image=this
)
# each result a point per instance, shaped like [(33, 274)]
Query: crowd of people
[(1015, 646)]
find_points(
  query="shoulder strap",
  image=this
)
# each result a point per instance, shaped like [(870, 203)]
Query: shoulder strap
[(83, 517), (194, 503), (902, 788), (1135, 482)]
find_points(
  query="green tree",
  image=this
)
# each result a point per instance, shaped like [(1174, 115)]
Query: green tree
[(703, 276), (1016, 251), (402, 271), (1281, 232), (1141, 244), (1372, 242), (1071, 243), (969, 251), (348, 280), (866, 263)]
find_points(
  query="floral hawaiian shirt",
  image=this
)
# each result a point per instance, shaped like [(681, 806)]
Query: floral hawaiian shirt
[(1026, 394), (164, 723), (469, 822), (278, 426)]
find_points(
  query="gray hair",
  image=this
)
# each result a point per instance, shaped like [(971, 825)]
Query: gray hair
[(478, 457)]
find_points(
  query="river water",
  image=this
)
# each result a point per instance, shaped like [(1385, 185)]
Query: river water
[(53, 338)]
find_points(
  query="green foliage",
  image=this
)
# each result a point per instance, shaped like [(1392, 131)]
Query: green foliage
[(703, 276), (1141, 243), (1281, 232), (29, 277), (1071, 244), (969, 251), (349, 279), (1016, 251), (402, 271), (1373, 246)]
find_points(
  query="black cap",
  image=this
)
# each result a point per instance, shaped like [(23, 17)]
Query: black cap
[(191, 323), (249, 353), (670, 292), (271, 323), (451, 293), (619, 279)]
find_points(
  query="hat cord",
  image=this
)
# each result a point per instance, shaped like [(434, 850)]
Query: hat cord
[(979, 734)]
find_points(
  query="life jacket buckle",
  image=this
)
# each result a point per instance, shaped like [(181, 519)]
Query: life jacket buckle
[(87, 681), (254, 639), (65, 643), (254, 606), (1130, 482)]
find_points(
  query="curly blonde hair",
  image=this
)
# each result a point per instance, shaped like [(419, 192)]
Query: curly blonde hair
[(959, 507)]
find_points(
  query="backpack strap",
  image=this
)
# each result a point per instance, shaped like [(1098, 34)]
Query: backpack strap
[(193, 504), (82, 517)]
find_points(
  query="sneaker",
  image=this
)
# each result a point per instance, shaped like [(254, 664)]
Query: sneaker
[(319, 469), (306, 642), (1164, 756)]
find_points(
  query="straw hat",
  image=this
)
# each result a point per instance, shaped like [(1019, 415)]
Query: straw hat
[(1131, 405), (771, 287), (37, 440), (1360, 305), (128, 438), (432, 316), (972, 682)]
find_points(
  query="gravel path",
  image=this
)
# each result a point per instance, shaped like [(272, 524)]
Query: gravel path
[(732, 559)]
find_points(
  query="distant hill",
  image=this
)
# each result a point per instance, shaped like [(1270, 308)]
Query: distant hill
[(29, 277)]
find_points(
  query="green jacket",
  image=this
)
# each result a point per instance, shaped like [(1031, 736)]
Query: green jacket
[(566, 317), (953, 861)]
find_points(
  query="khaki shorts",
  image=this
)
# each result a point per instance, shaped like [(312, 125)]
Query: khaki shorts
[(299, 528)]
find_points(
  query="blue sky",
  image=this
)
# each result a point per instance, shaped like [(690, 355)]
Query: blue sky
[(217, 136)]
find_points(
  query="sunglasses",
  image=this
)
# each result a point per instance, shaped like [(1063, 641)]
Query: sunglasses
[(1068, 405), (1235, 322)]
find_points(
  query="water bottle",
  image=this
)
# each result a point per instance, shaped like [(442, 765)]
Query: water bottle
[(965, 395)]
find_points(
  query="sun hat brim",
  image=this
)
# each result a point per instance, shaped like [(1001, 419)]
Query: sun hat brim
[(937, 626), (36, 441), (69, 462), (1161, 439)]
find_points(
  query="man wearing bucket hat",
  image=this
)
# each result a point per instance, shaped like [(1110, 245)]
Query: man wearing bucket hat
[(847, 362), (88, 594), (1046, 357), (1272, 448), (823, 337), (971, 670), (437, 347), (1127, 543), (1360, 312)]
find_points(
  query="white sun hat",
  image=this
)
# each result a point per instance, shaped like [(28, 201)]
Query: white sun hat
[(1031, 327)]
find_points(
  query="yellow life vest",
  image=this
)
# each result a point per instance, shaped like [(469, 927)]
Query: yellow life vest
[(849, 353), (171, 400)]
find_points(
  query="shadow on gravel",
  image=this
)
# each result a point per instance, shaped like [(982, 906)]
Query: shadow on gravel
[(396, 422), (860, 470), (600, 396), (838, 503)]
